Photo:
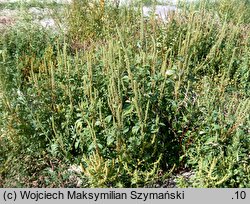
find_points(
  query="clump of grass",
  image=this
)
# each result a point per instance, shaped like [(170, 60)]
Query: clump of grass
[(129, 97)]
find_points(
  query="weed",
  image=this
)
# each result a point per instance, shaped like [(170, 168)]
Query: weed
[(128, 98)]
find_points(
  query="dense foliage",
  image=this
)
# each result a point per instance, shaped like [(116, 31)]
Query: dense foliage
[(131, 99)]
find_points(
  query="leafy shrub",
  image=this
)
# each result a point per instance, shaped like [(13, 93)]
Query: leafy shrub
[(140, 98)]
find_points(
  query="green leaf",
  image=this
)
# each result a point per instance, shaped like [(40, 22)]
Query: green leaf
[(216, 127), (110, 140), (108, 118), (77, 143), (100, 146), (128, 110), (91, 146), (135, 129), (125, 130)]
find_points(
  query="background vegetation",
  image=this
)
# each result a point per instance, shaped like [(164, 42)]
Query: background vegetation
[(133, 100)]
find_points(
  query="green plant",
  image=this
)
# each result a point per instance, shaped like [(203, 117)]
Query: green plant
[(128, 97)]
